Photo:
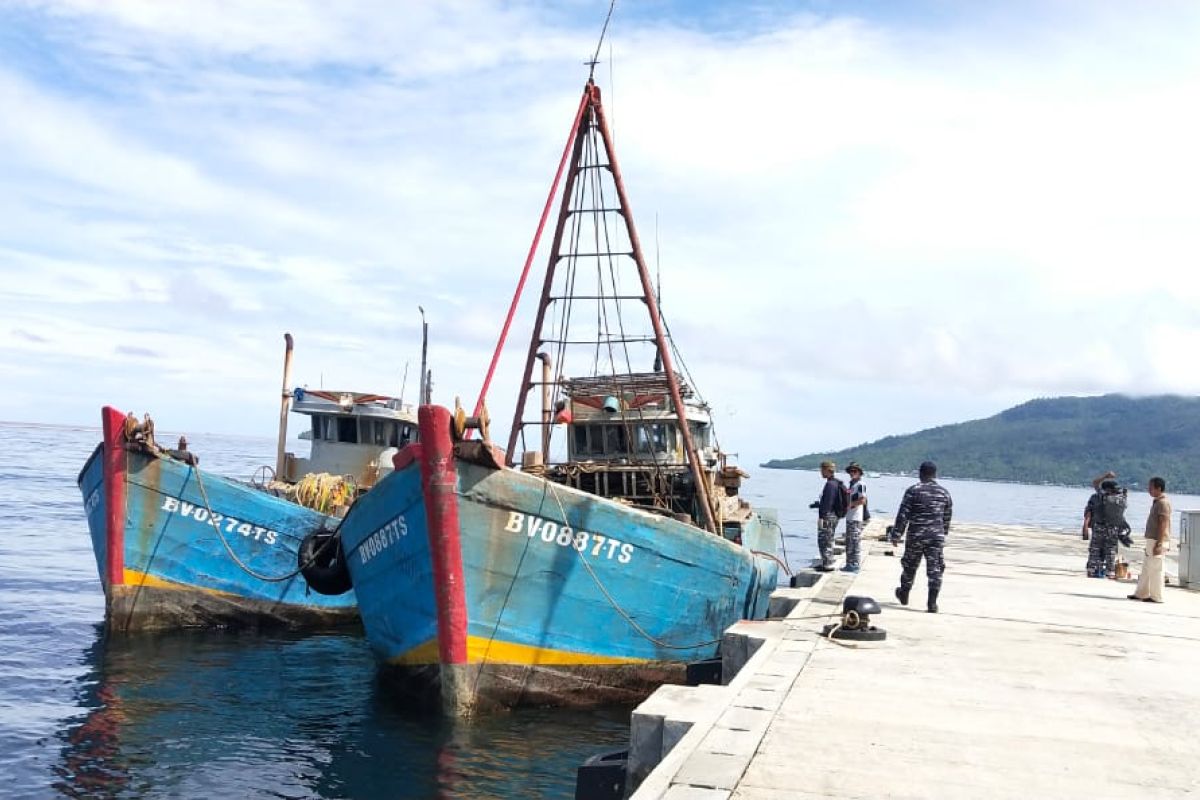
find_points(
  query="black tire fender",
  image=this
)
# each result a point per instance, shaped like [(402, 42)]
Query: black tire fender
[(323, 563)]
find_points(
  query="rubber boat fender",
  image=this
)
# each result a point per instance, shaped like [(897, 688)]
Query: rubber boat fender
[(323, 563)]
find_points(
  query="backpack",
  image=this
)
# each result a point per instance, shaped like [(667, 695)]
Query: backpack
[(1111, 513), (841, 500)]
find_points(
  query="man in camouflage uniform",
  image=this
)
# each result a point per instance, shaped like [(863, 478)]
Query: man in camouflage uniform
[(827, 517), (925, 516), (1105, 515), (855, 517)]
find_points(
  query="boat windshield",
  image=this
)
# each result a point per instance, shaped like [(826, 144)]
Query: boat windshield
[(611, 440)]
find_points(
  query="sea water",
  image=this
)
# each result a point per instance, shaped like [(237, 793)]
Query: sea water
[(221, 714)]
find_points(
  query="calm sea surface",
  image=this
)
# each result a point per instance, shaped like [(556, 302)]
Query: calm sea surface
[(229, 715)]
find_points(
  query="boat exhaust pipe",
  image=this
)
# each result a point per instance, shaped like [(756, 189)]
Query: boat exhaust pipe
[(284, 404), (546, 412)]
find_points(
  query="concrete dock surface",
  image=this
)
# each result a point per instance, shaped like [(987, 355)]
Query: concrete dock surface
[(1033, 681)]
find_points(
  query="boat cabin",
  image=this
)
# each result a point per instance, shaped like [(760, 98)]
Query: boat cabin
[(350, 434), (623, 441)]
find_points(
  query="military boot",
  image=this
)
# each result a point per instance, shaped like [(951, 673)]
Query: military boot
[(931, 603), (902, 595)]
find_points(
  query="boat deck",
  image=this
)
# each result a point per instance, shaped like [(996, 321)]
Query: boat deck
[(1033, 681)]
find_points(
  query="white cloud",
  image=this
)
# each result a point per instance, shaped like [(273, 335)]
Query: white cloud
[(977, 211)]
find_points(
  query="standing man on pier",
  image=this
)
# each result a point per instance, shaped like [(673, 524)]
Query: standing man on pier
[(855, 517), (1158, 535), (828, 507), (925, 516), (1105, 515)]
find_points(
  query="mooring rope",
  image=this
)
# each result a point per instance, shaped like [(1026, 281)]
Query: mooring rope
[(333, 535), (612, 601), (782, 541)]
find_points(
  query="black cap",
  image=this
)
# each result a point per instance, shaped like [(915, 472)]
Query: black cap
[(1108, 485), (928, 468), (853, 465)]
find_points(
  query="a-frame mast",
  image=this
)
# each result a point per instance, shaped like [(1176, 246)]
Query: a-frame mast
[(594, 115)]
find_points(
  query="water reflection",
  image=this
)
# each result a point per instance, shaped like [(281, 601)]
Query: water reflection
[(228, 715)]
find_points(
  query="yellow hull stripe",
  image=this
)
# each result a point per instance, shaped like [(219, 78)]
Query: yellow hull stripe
[(135, 579), (481, 650)]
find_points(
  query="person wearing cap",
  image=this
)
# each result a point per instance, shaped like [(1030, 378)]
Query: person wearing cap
[(827, 516), (1105, 515), (924, 520), (855, 517)]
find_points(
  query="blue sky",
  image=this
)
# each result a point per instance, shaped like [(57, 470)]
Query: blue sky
[(873, 217)]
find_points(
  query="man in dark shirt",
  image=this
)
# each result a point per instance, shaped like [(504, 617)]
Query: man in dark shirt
[(1105, 515), (925, 516), (827, 517)]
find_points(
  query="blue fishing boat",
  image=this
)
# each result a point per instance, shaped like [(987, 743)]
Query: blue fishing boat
[(618, 550), (177, 546)]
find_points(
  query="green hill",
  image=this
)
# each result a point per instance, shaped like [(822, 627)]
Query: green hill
[(1063, 440)]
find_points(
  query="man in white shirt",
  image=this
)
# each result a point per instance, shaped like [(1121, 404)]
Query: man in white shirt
[(855, 518)]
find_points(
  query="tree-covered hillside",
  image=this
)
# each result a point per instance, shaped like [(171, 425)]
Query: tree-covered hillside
[(1065, 440)]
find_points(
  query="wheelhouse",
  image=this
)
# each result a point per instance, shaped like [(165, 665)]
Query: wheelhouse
[(351, 434)]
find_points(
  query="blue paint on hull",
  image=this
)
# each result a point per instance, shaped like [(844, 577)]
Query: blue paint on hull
[(91, 484), (170, 537), (619, 585), (390, 564), (554, 568)]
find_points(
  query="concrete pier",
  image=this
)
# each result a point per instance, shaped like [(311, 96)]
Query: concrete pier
[(1033, 681)]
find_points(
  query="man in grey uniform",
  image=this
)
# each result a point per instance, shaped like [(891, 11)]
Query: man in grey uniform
[(925, 516)]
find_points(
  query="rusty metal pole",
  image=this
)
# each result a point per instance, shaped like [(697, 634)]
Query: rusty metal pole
[(710, 522), (582, 121), (423, 392), (545, 359), (284, 403), (537, 237)]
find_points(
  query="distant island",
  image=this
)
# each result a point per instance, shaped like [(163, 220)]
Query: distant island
[(1060, 440)]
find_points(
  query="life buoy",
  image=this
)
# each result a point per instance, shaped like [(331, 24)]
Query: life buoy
[(323, 564)]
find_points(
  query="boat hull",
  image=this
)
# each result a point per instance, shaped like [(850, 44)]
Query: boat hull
[(513, 590), (178, 548)]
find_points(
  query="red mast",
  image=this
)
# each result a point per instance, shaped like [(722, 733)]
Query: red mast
[(593, 118)]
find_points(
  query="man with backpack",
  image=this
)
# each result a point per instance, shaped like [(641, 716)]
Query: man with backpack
[(830, 508), (1105, 515)]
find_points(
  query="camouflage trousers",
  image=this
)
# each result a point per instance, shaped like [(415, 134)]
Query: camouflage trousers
[(826, 526), (914, 548), (1102, 551), (853, 543)]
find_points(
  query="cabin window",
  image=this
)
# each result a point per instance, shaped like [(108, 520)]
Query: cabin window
[(615, 442), (372, 431), (324, 428), (580, 434), (599, 440), (699, 433), (406, 435), (383, 432), (347, 430), (651, 438)]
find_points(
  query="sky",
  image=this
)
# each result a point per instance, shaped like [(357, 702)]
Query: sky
[(869, 218)]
